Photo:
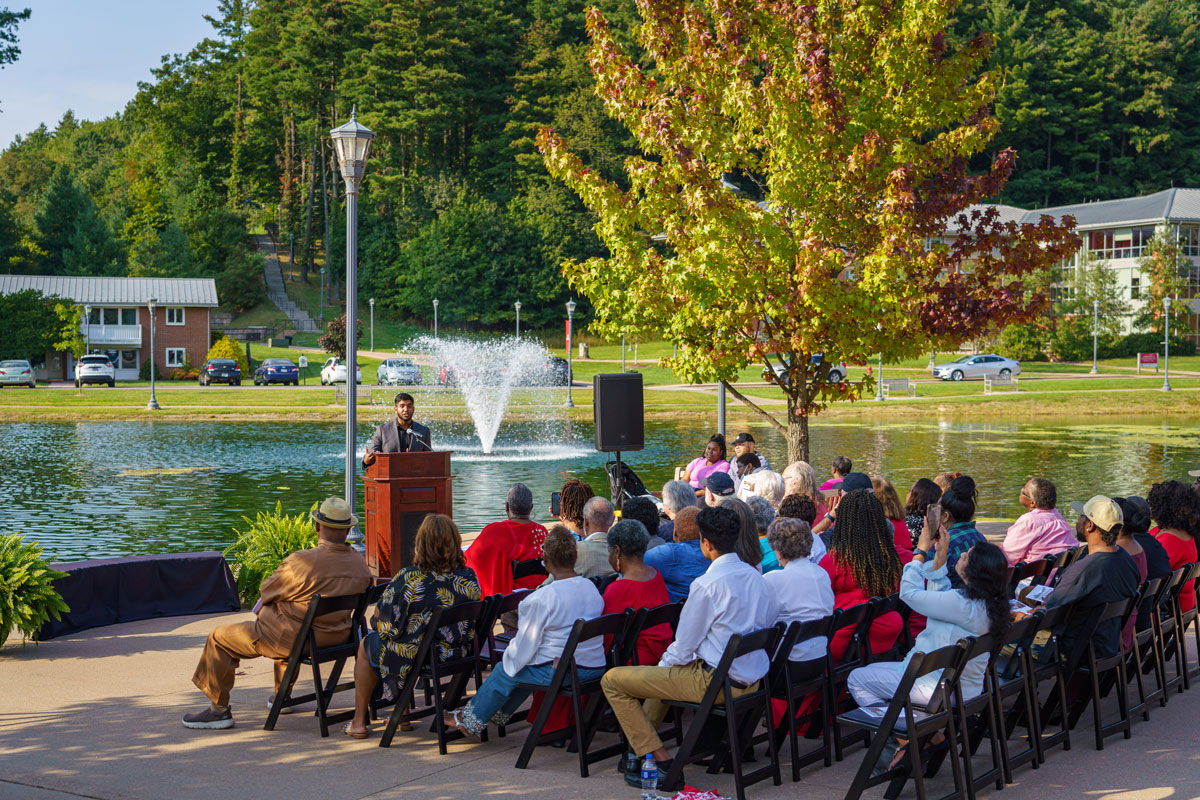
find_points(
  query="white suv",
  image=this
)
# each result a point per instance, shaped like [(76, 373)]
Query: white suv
[(95, 368), (334, 371)]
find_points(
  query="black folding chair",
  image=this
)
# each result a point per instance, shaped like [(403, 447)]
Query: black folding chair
[(1168, 634), (796, 680), (613, 625), (528, 569), (858, 619), (644, 619), (901, 719), (1143, 655), (1097, 668), (977, 717), (1023, 571), (879, 607), (1190, 617), (1044, 664), (1009, 679), (305, 651)]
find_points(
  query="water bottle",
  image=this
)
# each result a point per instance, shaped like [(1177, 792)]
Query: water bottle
[(649, 778)]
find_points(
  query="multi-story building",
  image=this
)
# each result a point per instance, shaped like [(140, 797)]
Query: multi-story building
[(119, 320)]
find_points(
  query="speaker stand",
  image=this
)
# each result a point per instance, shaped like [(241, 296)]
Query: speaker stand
[(620, 483)]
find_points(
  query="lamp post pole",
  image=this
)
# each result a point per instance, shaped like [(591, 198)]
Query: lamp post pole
[(622, 352), (322, 294), (1166, 387), (352, 143), (1095, 337), (87, 337), (153, 404), (292, 256), (570, 337), (435, 305), (517, 306), (879, 376)]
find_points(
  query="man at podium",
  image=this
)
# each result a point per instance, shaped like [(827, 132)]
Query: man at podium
[(399, 435)]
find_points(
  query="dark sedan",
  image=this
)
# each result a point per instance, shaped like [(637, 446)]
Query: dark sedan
[(276, 370), (221, 370)]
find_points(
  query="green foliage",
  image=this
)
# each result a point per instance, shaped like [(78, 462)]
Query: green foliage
[(1072, 340), (1136, 343), (28, 599), (144, 370), (1167, 268), (267, 540), (1022, 342), (31, 325), (69, 337), (1093, 281), (333, 341), (230, 348)]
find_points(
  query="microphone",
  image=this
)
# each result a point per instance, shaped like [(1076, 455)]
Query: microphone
[(413, 438)]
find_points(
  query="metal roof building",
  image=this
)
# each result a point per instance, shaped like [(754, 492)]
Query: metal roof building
[(117, 291)]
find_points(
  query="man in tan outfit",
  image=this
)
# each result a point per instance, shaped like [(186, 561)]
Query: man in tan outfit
[(331, 569)]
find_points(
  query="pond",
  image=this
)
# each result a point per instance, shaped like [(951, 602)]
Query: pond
[(101, 489)]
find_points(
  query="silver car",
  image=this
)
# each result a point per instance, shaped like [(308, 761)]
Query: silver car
[(399, 372), (17, 373), (977, 367)]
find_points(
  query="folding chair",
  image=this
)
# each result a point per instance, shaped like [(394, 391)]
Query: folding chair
[(644, 619), (1022, 571), (528, 569), (1169, 636), (1043, 666), (741, 714), (977, 717), (613, 625), (1095, 667), (1010, 678), (1144, 656), (798, 679), (879, 607), (305, 651), (1190, 617), (854, 656), (900, 719), (492, 651), (604, 581)]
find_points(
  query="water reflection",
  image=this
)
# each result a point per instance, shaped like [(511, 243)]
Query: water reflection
[(97, 489)]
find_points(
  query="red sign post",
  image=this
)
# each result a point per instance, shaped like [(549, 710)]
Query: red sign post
[(1147, 360)]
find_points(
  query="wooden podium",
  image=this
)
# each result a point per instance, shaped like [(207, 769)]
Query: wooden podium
[(400, 490)]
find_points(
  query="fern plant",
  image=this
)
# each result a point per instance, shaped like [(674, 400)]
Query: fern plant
[(268, 540), (27, 597)]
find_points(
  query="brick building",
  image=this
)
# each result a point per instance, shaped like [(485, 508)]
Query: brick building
[(119, 321)]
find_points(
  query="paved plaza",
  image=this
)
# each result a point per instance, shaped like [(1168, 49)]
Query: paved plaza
[(96, 715)]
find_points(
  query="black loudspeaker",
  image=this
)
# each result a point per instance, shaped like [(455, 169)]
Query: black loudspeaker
[(618, 412)]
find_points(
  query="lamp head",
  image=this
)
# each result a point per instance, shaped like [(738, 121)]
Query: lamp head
[(151, 303), (352, 143), (372, 302), (435, 302), (1167, 303), (571, 306), (517, 305), (88, 309)]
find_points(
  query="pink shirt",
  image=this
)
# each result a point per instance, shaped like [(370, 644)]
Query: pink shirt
[(832, 483), (701, 469), (1037, 534)]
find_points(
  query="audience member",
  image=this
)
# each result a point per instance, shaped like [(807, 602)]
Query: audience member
[(713, 461), (516, 538), (1175, 506), (591, 560), (1135, 515), (840, 469), (1127, 542), (747, 548), (744, 466), (801, 589), (800, 478), (1041, 531), (438, 578), (547, 616), (764, 515), (682, 561), (853, 481), (730, 598), (765, 484), (921, 496), (958, 518), (639, 586), (895, 514), (717, 486), (330, 569), (676, 495), (574, 494), (644, 510), (862, 563), (801, 506), (744, 443), (944, 479)]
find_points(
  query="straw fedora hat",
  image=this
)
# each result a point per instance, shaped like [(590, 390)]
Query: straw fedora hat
[(334, 513)]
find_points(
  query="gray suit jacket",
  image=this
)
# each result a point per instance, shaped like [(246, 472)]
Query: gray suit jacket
[(389, 439)]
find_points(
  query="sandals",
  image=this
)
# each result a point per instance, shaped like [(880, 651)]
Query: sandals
[(460, 726), (346, 730)]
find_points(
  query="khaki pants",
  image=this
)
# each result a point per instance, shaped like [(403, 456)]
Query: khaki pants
[(226, 646), (626, 686)]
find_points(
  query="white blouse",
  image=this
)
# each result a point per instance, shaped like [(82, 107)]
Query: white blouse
[(544, 623)]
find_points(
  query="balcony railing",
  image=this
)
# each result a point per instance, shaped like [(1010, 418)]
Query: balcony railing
[(126, 335)]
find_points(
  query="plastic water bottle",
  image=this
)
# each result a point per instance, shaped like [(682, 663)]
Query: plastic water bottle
[(649, 778)]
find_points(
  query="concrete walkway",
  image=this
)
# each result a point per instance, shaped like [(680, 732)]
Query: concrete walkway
[(97, 715)]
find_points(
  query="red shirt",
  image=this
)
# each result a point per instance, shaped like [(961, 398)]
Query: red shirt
[(847, 594), (625, 593), (496, 547), (1181, 551)]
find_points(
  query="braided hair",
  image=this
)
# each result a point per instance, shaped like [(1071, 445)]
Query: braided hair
[(1175, 505), (862, 542), (986, 578)]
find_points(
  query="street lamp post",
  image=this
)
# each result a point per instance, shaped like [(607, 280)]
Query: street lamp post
[(1095, 336), (352, 143), (435, 305), (87, 337), (570, 332), (292, 256), (322, 294), (1166, 387), (879, 380), (517, 306), (151, 303)]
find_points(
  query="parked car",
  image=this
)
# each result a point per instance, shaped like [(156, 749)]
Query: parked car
[(17, 373), (334, 371), (221, 370), (554, 372), (95, 368), (837, 372), (276, 370), (399, 372), (976, 367)]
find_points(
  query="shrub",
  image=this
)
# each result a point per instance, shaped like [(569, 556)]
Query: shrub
[(144, 371), (186, 372), (228, 348), (1022, 343), (1129, 346), (269, 539), (27, 597), (1072, 339)]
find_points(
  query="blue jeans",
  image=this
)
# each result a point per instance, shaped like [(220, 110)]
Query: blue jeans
[(500, 697)]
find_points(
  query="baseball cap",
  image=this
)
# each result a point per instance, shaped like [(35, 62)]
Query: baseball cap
[(1195, 473), (855, 480), (719, 483), (1102, 511), (742, 438)]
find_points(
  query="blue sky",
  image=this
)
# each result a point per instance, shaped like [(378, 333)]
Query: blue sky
[(88, 55)]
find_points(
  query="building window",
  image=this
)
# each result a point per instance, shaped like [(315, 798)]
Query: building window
[(174, 316), (111, 316), (129, 359), (1189, 240), (1135, 287), (176, 356), (129, 316), (1119, 242)]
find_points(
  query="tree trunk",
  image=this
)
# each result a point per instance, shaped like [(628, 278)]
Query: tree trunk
[(307, 259)]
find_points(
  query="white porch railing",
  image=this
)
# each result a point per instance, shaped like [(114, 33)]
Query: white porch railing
[(125, 335)]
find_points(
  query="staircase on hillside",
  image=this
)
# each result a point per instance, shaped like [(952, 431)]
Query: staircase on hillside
[(299, 318)]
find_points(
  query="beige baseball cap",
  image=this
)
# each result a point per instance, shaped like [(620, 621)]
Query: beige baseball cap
[(1102, 511)]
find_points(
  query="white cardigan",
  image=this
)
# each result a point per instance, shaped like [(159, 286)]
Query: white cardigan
[(951, 617), (544, 623)]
